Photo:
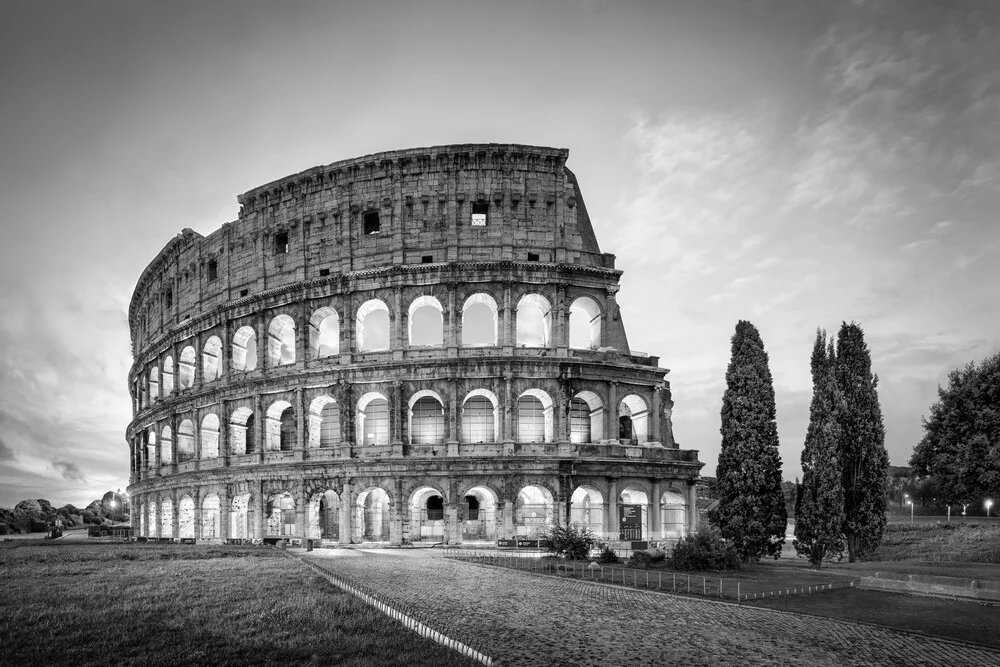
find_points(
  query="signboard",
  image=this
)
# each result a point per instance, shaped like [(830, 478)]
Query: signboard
[(478, 219), (527, 544), (506, 544), (640, 546), (630, 522)]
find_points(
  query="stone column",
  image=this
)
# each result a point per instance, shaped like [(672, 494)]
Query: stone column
[(506, 334), (654, 417), (348, 326), (302, 356), (199, 362), (397, 323), (396, 509), (560, 338), (691, 500), (261, 509), (453, 337), (300, 431), (611, 430), (452, 527), (261, 343), (157, 452), (175, 440), (258, 428), (300, 511), (196, 421), (452, 423), (175, 517), (397, 415), (656, 527), (224, 435), (346, 505), (613, 507), (226, 353), (197, 498), (506, 509), (225, 529)]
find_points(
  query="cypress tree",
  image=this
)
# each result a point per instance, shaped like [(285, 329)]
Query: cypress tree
[(864, 460), (819, 516), (751, 511)]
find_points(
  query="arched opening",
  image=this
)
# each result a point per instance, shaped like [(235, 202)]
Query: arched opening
[(185, 370), (241, 431), (281, 341), (673, 513), (239, 517), (586, 418), (534, 416), (168, 376), (372, 326), (426, 418), (211, 358), (479, 321), (211, 517), (324, 422), (534, 321), (587, 509), (280, 427), (633, 509), (632, 418), (371, 522), (210, 436), (281, 516), (324, 516), (426, 515), (324, 333), (585, 324), (149, 437), (167, 518), (373, 419), (144, 520), (244, 349), (533, 511), (151, 522), (154, 384), (166, 449), (426, 322), (185, 441), (480, 417), (479, 509), (185, 518)]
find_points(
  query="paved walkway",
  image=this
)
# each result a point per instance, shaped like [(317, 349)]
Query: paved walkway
[(525, 619)]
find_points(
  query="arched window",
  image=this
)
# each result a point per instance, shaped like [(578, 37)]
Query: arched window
[(373, 419), (241, 431), (281, 341), (185, 441), (587, 509), (239, 517), (211, 359), (185, 371), (150, 439), (479, 321), (534, 321), (673, 511), (371, 519), (166, 449), (281, 427), (166, 518), (211, 511), (586, 418), (426, 419), (534, 417), (324, 422), (585, 324), (168, 376), (533, 511), (244, 349), (281, 515), (210, 436), (426, 514), (154, 384), (185, 517), (324, 333), (426, 322), (373, 326), (479, 417), (632, 419)]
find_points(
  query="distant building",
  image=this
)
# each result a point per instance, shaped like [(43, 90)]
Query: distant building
[(419, 345)]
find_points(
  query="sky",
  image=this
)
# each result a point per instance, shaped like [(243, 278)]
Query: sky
[(796, 164)]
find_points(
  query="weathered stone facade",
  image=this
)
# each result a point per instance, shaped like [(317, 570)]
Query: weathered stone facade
[(408, 346)]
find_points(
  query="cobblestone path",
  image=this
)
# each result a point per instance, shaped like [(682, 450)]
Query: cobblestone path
[(526, 619)]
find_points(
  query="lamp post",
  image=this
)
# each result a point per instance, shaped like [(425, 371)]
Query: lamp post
[(906, 497), (989, 504), (910, 503)]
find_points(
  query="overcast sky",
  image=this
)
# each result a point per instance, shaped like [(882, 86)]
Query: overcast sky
[(797, 164)]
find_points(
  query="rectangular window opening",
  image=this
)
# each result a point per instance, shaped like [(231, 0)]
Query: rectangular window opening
[(170, 298), (244, 292), (532, 256), (480, 209), (281, 243), (427, 259), (371, 222), (324, 272), (213, 269)]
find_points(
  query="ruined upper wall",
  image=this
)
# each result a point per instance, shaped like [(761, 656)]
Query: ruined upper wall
[(320, 222)]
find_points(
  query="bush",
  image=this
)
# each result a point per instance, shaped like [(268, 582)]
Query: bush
[(641, 559), (607, 555), (705, 550), (572, 542)]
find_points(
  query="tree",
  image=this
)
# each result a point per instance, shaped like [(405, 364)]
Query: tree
[(819, 515), (751, 511), (960, 450), (569, 541), (864, 460)]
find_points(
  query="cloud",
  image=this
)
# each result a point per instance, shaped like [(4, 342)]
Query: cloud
[(69, 471), (6, 453)]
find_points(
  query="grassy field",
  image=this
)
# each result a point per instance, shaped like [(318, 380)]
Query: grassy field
[(956, 542), (97, 604)]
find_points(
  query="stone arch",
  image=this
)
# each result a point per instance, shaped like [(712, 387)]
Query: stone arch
[(281, 515), (167, 518), (241, 431), (185, 441), (244, 349), (324, 333), (372, 419), (280, 427), (324, 422), (586, 417), (427, 514), (587, 508), (185, 369), (425, 321), (480, 416), (585, 324), (144, 521), (633, 419), (323, 516), (168, 375), (372, 510), (479, 513), (281, 341), (673, 514), (479, 321), (154, 384), (426, 418), (152, 525), (534, 510), (211, 517), (211, 359), (534, 321), (636, 493), (534, 416), (373, 326), (166, 448), (185, 517), (239, 517), (210, 436)]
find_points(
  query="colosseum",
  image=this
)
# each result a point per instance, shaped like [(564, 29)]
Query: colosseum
[(416, 346)]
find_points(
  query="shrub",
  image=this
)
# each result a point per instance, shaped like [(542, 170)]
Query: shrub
[(569, 541), (607, 555), (705, 550), (641, 559)]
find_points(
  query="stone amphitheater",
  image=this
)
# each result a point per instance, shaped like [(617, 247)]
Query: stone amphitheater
[(415, 346)]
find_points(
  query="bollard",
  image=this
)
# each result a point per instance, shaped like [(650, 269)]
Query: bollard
[(309, 545)]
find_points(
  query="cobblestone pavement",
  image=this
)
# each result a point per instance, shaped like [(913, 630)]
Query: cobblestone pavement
[(525, 619)]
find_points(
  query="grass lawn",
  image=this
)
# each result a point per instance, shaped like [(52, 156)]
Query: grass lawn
[(966, 542), (97, 604)]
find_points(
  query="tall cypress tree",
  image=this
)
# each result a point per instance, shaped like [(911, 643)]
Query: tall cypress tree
[(819, 516), (864, 460), (751, 511)]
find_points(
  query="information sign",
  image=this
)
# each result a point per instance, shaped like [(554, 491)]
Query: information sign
[(629, 522)]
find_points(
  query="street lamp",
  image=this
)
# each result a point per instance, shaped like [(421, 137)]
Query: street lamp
[(906, 497), (910, 503), (989, 504)]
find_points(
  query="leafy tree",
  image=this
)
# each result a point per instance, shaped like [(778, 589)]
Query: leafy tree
[(569, 541), (863, 458), (819, 515), (960, 450), (751, 511)]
